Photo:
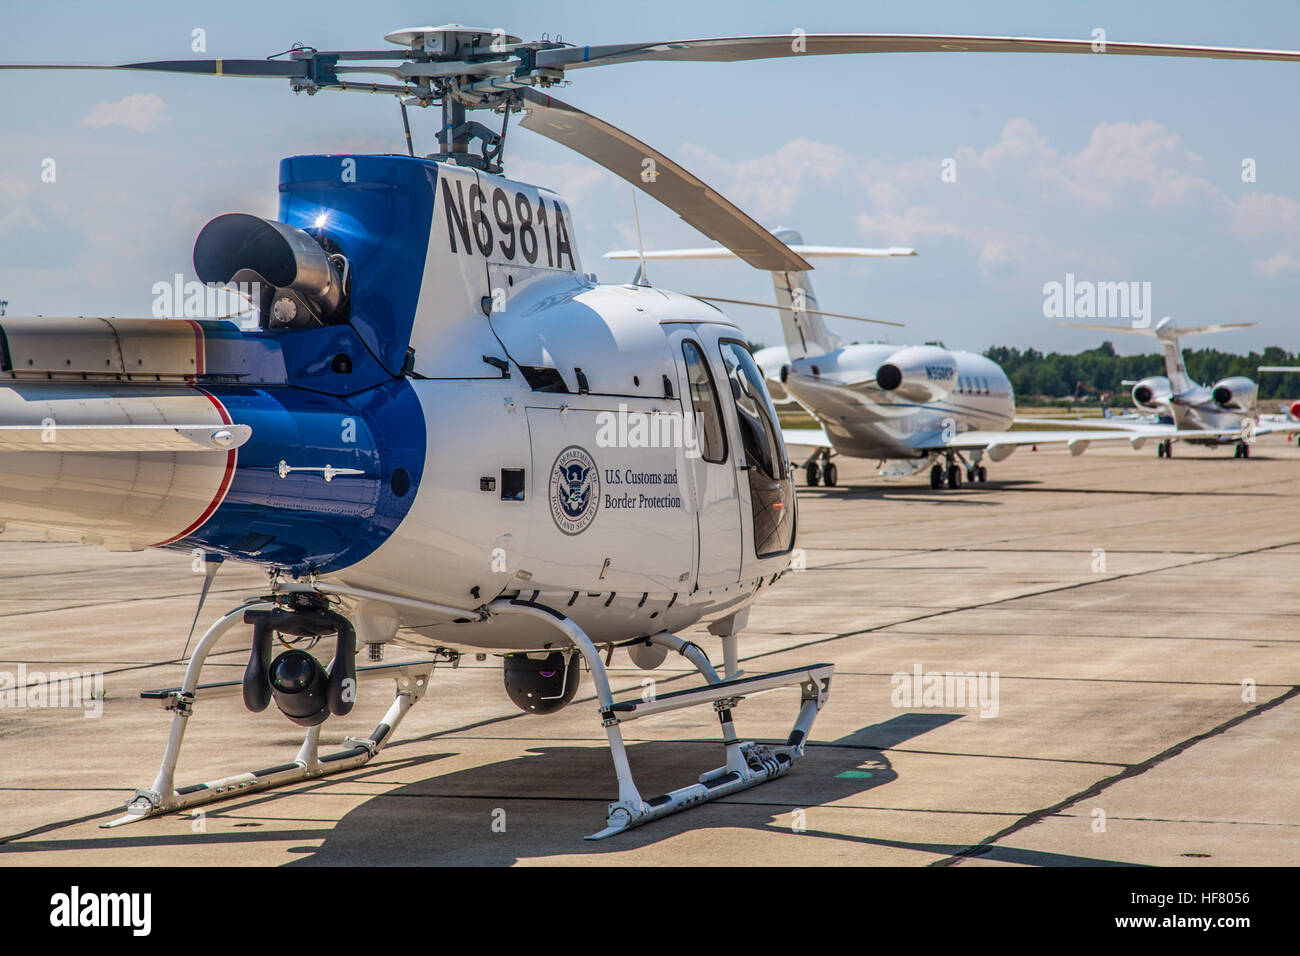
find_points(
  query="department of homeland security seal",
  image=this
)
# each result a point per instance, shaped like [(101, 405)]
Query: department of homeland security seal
[(575, 490)]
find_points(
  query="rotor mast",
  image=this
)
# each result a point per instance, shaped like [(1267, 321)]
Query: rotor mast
[(436, 52)]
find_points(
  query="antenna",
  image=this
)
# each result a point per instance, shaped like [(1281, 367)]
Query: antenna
[(406, 125), (641, 278), (4, 304)]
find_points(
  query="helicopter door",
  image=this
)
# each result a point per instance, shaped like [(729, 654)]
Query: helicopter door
[(761, 456), (709, 467)]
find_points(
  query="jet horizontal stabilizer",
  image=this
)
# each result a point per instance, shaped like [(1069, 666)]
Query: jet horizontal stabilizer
[(771, 305)]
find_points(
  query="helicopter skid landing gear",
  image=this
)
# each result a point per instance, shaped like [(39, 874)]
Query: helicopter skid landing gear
[(747, 763), (164, 797)]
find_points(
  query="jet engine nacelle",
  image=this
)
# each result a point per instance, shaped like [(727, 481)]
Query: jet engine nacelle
[(1236, 393), (1151, 393), (541, 683), (920, 373)]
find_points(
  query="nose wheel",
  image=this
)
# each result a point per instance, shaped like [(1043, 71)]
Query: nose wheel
[(1243, 451), (1165, 449)]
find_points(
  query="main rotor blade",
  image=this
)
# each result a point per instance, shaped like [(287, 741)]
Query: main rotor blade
[(626, 156), (245, 68), (732, 49), (808, 252)]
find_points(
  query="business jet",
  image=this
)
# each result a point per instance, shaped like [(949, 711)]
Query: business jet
[(909, 406), (1225, 413)]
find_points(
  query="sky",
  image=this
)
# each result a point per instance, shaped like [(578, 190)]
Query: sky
[(1109, 169)]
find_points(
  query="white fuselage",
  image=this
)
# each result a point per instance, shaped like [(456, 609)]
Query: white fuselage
[(672, 539)]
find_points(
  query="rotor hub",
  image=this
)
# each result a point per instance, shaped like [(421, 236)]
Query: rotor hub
[(452, 41)]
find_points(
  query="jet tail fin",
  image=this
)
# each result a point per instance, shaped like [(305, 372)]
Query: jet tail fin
[(1169, 336), (802, 324)]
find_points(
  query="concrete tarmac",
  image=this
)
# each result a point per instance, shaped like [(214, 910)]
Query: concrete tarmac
[(1134, 621)]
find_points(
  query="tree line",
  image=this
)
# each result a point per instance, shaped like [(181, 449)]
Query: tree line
[(1096, 374)]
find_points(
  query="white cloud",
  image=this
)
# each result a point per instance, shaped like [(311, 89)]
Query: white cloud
[(771, 186), (142, 112), (1261, 215), (1279, 265)]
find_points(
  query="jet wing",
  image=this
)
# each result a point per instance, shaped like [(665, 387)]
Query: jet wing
[(1276, 427), (1266, 426), (1122, 424), (1001, 444), (806, 437), (122, 438)]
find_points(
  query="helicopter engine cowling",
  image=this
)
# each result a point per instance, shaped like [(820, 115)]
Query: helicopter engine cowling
[(1151, 393), (919, 373), (541, 684), (1235, 394)]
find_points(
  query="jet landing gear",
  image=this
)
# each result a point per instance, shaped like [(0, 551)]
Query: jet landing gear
[(307, 705), (949, 474), (820, 468), (1165, 449), (1242, 450), (747, 763)]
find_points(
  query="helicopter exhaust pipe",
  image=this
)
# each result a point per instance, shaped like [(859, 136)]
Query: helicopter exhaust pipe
[(301, 283)]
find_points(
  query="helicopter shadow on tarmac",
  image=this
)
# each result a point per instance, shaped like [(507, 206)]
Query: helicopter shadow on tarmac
[(551, 798)]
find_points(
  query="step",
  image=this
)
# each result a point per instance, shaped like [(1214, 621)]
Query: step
[(818, 674)]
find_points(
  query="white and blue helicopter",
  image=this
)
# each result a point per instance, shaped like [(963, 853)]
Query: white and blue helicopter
[(443, 434)]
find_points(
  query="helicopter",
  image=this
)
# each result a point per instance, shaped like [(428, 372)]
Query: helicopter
[(442, 433)]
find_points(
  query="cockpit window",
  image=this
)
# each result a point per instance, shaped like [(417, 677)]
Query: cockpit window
[(759, 431), (704, 401)]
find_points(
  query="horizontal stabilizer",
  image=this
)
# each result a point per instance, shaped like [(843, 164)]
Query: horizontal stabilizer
[(806, 437), (122, 438), (772, 305), (1153, 331)]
